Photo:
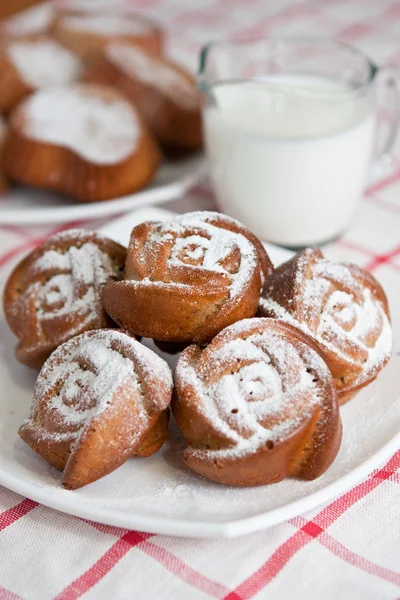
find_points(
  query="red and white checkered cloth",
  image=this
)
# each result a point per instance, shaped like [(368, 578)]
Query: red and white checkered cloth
[(348, 549)]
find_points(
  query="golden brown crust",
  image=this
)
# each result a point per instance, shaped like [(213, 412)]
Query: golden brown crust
[(55, 167), (48, 301), (257, 405), (88, 44), (176, 125), (340, 305), (156, 437), (12, 86), (4, 184), (100, 398), (187, 279)]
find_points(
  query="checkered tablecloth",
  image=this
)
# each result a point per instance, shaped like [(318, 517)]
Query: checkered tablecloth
[(348, 549)]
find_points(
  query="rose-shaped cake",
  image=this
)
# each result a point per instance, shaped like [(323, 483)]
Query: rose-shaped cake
[(54, 293), (99, 399), (256, 405), (342, 307), (164, 93), (86, 141), (188, 278)]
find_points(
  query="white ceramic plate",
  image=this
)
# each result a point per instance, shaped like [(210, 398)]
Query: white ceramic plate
[(22, 205), (159, 494)]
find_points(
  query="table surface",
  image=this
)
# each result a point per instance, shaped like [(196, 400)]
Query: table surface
[(349, 548)]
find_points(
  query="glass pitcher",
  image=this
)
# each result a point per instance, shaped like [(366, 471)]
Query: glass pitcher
[(290, 132)]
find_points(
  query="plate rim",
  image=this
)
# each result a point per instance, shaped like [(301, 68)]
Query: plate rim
[(98, 210), (201, 529)]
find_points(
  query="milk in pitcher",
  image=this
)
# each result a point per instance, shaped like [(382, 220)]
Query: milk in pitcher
[(289, 154)]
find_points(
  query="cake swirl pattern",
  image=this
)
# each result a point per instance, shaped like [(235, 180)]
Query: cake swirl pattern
[(54, 293), (96, 399), (342, 307), (256, 405), (188, 278)]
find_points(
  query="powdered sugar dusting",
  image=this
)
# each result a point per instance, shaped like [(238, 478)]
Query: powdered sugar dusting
[(76, 234), (44, 63), (29, 21), (79, 382), (102, 131), (72, 286), (109, 371), (106, 24), (347, 315), (255, 388), (154, 72), (201, 245)]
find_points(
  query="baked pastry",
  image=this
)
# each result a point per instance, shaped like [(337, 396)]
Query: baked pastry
[(258, 404), (87, 32), (31, 21), (83, 140), (32, 63), (54, 293), (342, 307), (188, 278), (164, 93), (3, 178), (96, 403), (155, 438)]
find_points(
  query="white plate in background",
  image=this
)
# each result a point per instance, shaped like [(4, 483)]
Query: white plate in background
[(24, 205), (160, 494)]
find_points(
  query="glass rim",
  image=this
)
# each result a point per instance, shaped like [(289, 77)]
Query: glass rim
[(312, 40)]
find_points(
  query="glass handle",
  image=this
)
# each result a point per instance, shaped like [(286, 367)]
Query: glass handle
[(389, 81)]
